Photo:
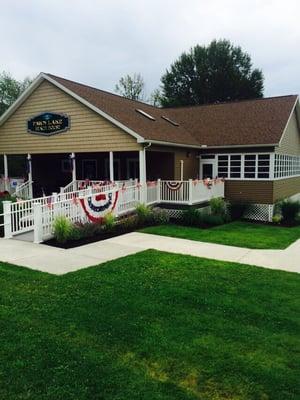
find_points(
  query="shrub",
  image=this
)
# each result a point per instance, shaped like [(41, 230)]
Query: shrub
[(289, 211), (160, 216), (218, 206), (191, 217), (130, 223), (63, 229), (237, 209), (211, 219), (277, 219), (144, 214), (109, 221), (82, 230)]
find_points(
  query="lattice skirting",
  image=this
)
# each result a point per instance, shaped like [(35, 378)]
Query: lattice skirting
[(176, 214), (260, 212), (256, 212)]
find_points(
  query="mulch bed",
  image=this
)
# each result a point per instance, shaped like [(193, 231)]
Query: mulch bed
[(92, 239)]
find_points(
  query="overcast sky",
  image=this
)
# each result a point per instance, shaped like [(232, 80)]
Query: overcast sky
[(98, 41)]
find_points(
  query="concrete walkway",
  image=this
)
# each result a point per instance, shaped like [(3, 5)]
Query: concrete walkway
[(59, 261)]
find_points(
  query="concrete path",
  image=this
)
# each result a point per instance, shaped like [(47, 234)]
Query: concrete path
[(59, 261)]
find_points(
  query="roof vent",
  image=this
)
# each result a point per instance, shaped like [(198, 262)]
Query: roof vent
[(145, 114), (170, 121)]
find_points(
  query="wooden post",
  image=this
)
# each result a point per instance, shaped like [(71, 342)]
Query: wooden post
[(111, 167), (7, 219), (37, 223)]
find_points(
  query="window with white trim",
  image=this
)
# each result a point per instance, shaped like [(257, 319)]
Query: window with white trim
[(244, 166), (286, 165), (223, 161), (235, 165), (263, 166), (250, 166)]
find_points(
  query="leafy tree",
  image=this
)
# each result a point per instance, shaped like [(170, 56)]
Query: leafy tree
[(155, 98), (208, 74), (131, 87), (10, 90)]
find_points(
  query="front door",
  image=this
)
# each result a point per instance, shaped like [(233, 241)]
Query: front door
[(208, 169)]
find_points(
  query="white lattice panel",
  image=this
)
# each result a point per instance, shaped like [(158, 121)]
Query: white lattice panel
[(174, 213), (260, 212)]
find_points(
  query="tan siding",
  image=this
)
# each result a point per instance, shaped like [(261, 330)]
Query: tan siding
[(290, 143), (188, 155), (249, 191), (89, 131), (286, 187)]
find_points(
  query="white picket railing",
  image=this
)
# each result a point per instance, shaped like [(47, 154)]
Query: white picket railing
[(39, 214), (104, 185), (175, 192), (24, 191)]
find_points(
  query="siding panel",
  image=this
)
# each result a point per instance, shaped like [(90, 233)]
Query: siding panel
[(286, 187), (89, 131), (249, 191), (290, 143)]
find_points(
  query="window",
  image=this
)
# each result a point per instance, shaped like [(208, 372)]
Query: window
[(249, 166), (244, 166), (207, 156), (235, 166), (286, 165), (263, 170), (223, 166), (145, 114), (170, 121)]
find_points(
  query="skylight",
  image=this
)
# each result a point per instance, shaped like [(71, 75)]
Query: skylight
[(145, 114), (170, 121)]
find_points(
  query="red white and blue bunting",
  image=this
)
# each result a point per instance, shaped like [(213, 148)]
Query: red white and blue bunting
[(173, 185), (95, 207)]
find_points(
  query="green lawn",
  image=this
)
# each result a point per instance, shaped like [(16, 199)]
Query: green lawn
[(150, 326), (238, 233)]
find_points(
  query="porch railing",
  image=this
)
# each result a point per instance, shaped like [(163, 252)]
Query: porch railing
[(101, 185), (38, 214), (24, 191)]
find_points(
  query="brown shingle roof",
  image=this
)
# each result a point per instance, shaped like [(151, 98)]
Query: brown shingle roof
[(248, 122), (124, 111)]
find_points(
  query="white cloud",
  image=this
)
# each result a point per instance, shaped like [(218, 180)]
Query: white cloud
[(98, 41)]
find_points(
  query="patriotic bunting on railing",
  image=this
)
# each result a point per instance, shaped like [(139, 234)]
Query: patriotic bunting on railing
[(151, 183), (95, 207), (173, 185)]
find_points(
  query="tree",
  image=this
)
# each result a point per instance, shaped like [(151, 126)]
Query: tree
[(10, 90), (131, 87), (155, 98), (209, 74)]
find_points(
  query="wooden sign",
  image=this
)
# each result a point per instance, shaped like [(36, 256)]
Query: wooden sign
[(48, 124)]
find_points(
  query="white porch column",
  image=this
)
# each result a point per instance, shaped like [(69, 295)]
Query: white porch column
[(181, 169), (111, 167), (73, 158), (6, 183), (142, 165), (29, 161)]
